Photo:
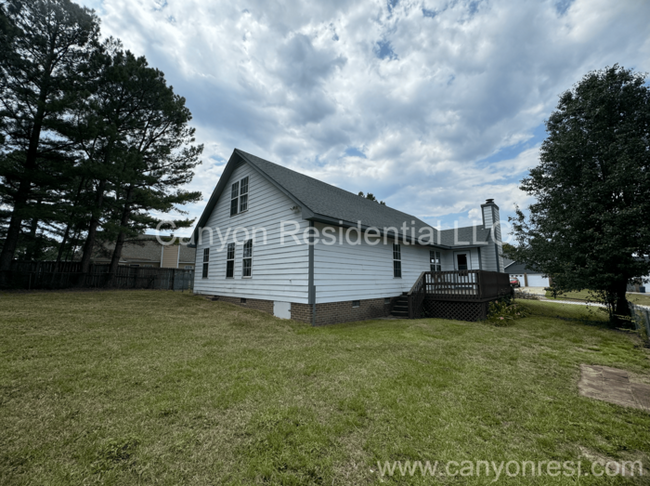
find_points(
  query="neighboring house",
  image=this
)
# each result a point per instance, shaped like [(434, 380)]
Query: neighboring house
[(534, 278), (640, 283), (274, 239), (147, 251), (527, 276)]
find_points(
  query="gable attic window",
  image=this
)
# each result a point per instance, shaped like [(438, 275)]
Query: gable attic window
[(234, 201), (397, 261), (247, 260), (206, 262), (230, 261), (243, 195), (239, 197)]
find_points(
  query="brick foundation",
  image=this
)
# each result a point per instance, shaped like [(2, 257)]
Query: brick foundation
[(337, 312), (329, 313)]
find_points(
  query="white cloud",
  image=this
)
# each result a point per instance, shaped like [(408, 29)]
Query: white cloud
[(300, 83)]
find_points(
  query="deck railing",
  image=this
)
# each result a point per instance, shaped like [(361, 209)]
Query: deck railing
[(459, 285)]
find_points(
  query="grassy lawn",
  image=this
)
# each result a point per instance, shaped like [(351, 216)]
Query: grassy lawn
[(149, 387), (583, 295)]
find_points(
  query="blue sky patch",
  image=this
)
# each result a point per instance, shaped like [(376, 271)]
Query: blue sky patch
[(385, 50), (512, 151), (354, 152), (562, 6)]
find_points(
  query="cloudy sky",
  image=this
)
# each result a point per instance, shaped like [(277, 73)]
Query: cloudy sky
[(432, 105)]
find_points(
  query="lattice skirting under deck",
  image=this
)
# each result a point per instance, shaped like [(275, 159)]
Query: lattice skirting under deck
[(460, 311)]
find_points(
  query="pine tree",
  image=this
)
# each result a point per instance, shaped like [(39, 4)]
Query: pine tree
[(43, 46)]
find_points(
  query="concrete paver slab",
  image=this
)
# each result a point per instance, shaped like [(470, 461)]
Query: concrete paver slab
[(613, 385)]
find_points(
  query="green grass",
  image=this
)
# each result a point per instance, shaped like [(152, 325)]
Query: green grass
[(149, 387), (583, 295)]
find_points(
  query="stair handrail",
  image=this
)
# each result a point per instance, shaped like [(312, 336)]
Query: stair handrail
[(416, 295), (415, 287)]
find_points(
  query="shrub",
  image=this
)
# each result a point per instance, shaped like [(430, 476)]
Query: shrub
[(503, 313), (520, 294)]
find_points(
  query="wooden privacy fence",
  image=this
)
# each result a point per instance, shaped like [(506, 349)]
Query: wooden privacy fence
[(64, 275), (458, 286)]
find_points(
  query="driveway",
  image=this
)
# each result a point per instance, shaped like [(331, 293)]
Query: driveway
[(534, 290)]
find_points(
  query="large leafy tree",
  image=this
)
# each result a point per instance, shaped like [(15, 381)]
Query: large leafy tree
[(43, 46), (590, 226)]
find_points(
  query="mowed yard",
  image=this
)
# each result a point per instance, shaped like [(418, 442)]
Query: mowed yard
[(152, 387)]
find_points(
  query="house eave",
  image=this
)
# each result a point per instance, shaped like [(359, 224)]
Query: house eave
[(320, 218)]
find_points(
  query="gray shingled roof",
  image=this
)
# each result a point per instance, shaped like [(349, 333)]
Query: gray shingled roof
[(518, 267), (143, 248), (473, 234), (329, 204), (332, 202), (188, 254)]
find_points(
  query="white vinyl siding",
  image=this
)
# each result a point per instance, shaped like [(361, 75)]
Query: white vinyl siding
[(489, 258), (279, 272), (356, 272), (487, 216)]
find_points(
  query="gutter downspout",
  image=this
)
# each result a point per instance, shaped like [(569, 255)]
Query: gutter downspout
[(311, 296)]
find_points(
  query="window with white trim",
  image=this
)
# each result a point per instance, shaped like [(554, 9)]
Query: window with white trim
[(397, 261), (234, 198), (243, 195), (239, 197), (230, 261), (436, 264), (247, 259), (206, 262)]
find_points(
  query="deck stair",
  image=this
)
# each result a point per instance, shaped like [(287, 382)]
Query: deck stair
[(401, 306)]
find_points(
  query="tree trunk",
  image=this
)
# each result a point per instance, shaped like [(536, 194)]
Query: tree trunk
[(622, 311), (124, 221), (11, 240), (92, 228), (66, 234), (24, 189), (32, 245), (69, 256)]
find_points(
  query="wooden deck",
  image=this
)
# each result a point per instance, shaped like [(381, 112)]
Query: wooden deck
[(476, 286)]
